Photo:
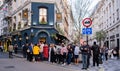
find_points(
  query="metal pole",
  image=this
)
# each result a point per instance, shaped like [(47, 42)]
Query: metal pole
[(87, 39)]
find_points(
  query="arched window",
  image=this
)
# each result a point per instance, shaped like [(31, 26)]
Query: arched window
[(14, 27), (43, 15), (19, 25)]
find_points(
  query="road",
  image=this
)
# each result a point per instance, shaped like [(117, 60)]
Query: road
[(20, 64)]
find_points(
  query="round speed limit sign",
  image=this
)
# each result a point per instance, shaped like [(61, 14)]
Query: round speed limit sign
[(87, 22)]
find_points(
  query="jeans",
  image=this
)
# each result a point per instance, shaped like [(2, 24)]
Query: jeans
[(96, 59), (84, 60), (64, 58), (24, 54), (36, 57), (88, 61), (106, 56), (69, 57), (41, 56), (58, 58), (10, 54)]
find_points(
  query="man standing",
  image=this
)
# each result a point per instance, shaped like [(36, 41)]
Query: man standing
[(96, 51), (84, 51), (24, 50)]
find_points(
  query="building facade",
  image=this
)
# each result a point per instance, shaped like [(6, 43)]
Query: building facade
[(67, 21), (34, 21), (107, 18), (4, 23)]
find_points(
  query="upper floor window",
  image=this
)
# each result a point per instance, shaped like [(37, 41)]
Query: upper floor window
[(15, 18), (117, 14), (19, 25), (14, 27), (25, 14), (110, 7), (113, 18), (14, 0), (43, 15), (110, 20)]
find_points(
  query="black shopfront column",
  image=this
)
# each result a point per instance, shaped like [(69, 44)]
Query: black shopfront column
[(118, 47), (20, 41), (26, 39)]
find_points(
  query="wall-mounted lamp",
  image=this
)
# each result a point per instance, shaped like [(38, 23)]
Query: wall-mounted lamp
[(14, 39), (20, 38), (27, 37)]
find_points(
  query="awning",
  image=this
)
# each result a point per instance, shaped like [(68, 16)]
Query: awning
[(60, 38)]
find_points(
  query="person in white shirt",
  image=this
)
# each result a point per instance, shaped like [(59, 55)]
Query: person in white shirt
[(76, 53), (41, 51)]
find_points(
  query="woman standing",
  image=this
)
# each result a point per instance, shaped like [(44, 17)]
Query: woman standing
[(76, 53), (45, 52), (30, 55), (64, 52), (52, 53), (106, 53), (69, 56)]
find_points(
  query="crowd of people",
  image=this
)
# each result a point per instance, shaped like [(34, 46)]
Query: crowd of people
[(65, 54)]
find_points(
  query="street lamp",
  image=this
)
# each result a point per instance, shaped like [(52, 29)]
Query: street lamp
[(20, 38), (14, 39), (20, 41), (32, 34), (26, 37)]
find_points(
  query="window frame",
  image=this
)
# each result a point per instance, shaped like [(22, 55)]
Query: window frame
[(43, 15)]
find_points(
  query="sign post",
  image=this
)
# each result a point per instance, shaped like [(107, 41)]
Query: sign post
[(87, 22)]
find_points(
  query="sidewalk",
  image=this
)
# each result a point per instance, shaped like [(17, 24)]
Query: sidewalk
[(18, 55), (110, 65)]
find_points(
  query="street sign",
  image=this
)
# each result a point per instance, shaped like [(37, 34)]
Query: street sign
[(87, 31), (87, 22)]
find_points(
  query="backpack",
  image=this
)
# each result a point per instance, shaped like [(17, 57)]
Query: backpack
[(96, 49)]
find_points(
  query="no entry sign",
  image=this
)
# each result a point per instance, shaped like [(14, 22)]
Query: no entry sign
[(87, 22)]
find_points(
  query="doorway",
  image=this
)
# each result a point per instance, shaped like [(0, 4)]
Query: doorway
[(118, 44), (42, 39), (107, 44)]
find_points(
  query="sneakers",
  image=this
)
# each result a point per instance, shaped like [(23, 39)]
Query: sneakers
[(63, 64), (84, 68)]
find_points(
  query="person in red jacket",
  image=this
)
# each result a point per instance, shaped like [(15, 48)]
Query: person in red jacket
[(45, 52)]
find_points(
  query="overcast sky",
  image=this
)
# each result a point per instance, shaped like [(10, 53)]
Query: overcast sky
[(75, 4)]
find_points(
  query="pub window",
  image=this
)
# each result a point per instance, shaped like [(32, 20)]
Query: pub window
[(43, 16)]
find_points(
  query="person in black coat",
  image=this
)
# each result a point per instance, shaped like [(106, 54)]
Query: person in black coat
[(96, 52), (25, 50)]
